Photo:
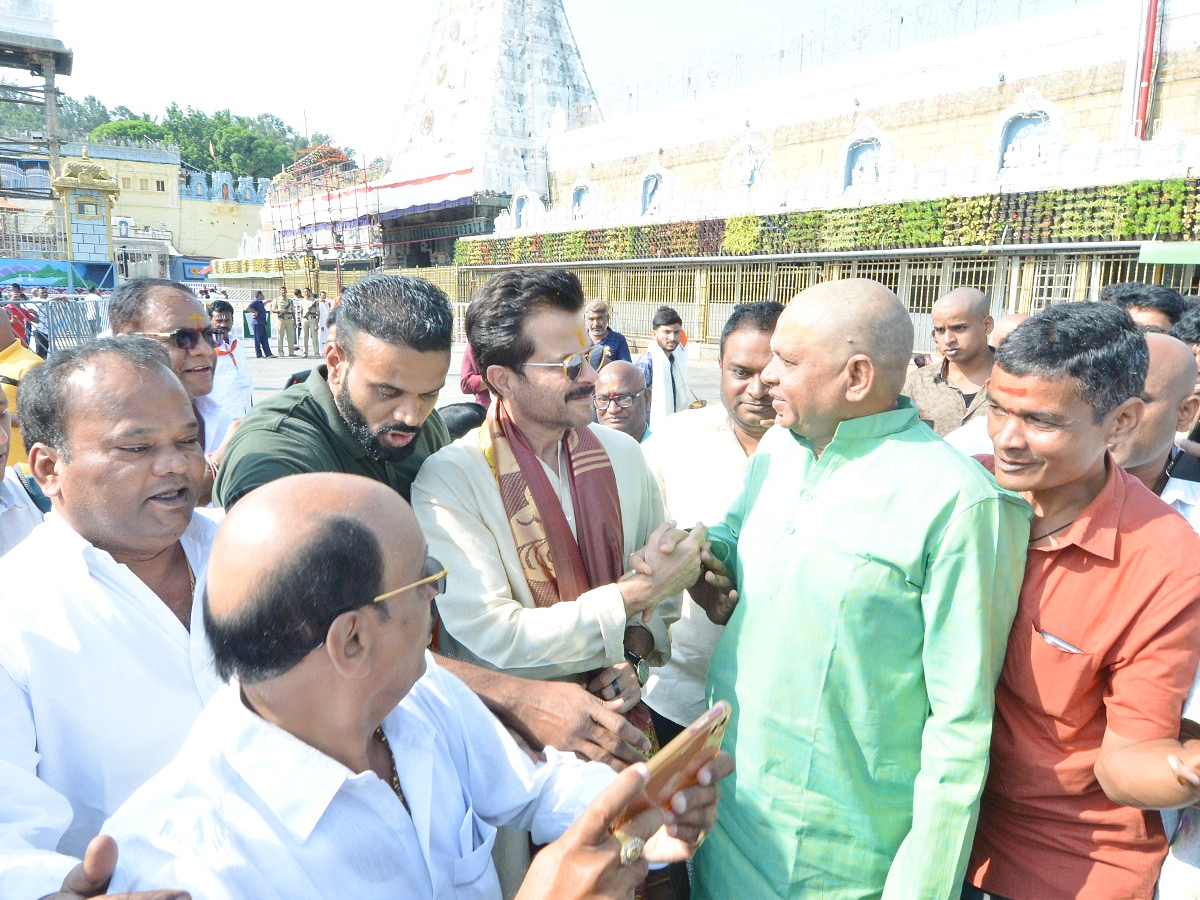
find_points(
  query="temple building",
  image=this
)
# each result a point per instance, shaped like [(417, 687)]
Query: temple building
[(1036, 150)]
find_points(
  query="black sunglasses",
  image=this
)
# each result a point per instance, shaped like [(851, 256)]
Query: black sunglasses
[(186, 338)]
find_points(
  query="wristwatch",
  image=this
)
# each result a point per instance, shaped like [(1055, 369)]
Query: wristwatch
[(640, 667)]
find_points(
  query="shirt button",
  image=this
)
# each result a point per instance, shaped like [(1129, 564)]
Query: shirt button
[(789, 530), (807, 496)]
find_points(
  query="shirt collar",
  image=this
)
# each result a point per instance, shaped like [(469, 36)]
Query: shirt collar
[(878, 425), (1181, 491), (1095, 529), (273, 763)]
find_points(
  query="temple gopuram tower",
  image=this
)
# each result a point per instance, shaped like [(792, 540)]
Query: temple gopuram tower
[(499, 77)]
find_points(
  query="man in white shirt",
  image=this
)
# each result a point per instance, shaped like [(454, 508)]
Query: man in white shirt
[(103, 666), (232, 385), (622, 399), (19, 515), (170, 313), (699, 458), (664, 366), (1171, 406), (343, 762)]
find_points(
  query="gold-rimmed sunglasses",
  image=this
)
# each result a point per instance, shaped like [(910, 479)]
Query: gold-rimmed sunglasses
[(595, 356), (435, 574)]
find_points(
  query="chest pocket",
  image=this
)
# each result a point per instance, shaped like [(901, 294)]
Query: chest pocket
[(475, 876), (1060, 683)]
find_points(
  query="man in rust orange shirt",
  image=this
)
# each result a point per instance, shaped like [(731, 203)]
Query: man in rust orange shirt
[(1107, 633)]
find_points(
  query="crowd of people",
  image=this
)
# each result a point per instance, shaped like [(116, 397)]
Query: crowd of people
[(345, 643)]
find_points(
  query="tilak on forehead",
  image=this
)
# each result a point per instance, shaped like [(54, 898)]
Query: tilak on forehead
[(1015, 391)]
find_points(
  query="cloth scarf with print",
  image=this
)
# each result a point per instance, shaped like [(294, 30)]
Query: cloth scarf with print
[(557, 567)]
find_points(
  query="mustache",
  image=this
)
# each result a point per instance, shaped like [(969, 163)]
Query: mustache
[(579, 393), (397, 429)]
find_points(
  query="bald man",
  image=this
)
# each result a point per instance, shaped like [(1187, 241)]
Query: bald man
[(973, 439), (343, 762), (949, 394), (1171, 405), (876, 574), (622, 399)]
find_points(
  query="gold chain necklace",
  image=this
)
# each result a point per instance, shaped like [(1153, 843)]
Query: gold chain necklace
[(392, 762)]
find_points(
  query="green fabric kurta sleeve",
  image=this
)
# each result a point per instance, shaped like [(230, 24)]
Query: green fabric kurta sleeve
[(975, 567), (724, 534)]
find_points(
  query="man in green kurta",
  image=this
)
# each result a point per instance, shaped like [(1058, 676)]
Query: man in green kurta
[(876, 573)]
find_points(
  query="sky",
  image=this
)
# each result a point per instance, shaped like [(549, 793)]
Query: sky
[(347, 68)]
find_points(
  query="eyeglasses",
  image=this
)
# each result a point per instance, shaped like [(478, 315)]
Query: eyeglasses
[(185, 338), (596, 356), (435, 573), (623, 401)]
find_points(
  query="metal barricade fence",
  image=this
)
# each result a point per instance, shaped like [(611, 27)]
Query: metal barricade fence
[(64, 323)]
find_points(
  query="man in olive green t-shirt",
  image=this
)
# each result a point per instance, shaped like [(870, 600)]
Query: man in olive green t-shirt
[(369, 410)]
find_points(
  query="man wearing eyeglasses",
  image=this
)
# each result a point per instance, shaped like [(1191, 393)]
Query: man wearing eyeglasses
[(539, 513), (344, 762), (622, 400), (169, 313)]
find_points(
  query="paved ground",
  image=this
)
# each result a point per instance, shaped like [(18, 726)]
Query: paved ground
[(271, 374)]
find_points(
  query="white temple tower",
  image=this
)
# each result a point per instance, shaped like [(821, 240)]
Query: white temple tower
[(499, 77)]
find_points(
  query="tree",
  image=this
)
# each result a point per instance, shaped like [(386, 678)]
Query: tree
[(128, 129), (124, 112), (77, 119)]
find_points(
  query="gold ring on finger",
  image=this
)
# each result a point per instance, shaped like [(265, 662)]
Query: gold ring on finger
[(631, 847)]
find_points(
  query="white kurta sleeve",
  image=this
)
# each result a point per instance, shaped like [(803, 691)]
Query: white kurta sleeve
[(505, 786), (33, 816)]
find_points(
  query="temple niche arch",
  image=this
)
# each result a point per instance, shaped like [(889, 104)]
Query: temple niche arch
[(1030, 133), (742, 169), (654, 187), (527, 210), (862, 163), (583, 200), (868, 158)]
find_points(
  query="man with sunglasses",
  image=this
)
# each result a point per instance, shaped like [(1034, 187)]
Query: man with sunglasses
[(168, 312), (343, 761), (539, 513), (622, 400)]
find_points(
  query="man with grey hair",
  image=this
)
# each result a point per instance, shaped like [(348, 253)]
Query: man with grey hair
[(596, 314), (369, 411), (949, 394), (883, 567)]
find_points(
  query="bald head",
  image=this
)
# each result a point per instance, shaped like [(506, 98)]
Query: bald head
[(852, 316), (620, 377), (271, 599), (1172, 370), (974, 301), (622, 382), (1006, 325), (1170, 407)]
